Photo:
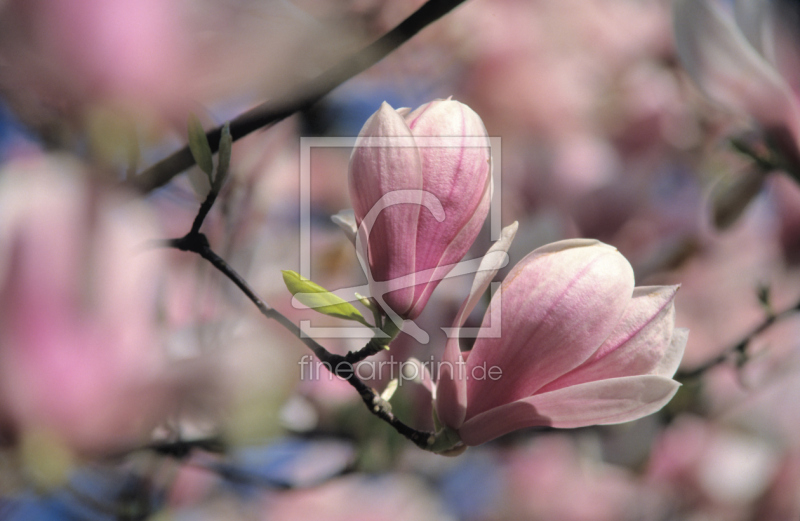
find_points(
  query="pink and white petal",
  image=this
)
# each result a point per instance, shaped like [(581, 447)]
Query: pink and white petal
[(669, 364), (558, 305), (729, 70), (636, 346), (384, 161), (456, 161), (494, 259), (454, 251), (451, 386), (616, 400)]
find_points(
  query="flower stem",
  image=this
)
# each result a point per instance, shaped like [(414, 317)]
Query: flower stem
[(738, 352), (342, 366)]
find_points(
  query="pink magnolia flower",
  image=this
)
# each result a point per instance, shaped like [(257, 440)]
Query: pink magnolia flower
[(70, 52), (739, 62), (578, 345), (80, 357), (420, 183)]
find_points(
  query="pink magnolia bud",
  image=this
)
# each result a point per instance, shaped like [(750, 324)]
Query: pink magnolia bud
[(578, 345), (420, 183)]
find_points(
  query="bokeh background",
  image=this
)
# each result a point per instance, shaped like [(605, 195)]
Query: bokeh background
[(104, 348)]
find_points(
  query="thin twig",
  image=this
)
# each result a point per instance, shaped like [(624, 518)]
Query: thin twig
[(303, 98), (203, 212), (739, 350), (375, 345), (341, 366), (765, 161)]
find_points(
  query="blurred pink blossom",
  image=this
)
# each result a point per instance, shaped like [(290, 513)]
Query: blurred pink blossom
[(359, 498), (544, 478), (74, 51), (718, 298), (79, 355), (709, 468), (733, 59)]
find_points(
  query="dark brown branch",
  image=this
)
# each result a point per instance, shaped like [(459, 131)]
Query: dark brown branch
[(269, 113), (341, 366), (757, 152), (198, 243), (203, 212)]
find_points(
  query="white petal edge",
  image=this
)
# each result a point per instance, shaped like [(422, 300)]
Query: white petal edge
[(669, 364), (451, 386), (638, 345), (602, 402), (496, 257), (451, 389)]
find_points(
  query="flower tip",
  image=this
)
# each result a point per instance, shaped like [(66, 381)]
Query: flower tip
[(507, 235), (386, 109)]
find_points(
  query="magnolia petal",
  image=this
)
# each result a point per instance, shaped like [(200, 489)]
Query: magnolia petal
[(460, 244), (451, 386), (383, 161), (638, 343), (730, 71), (456, 161), (495, 258), (451, 395), (603, 402), (557, 305), (669, 363)]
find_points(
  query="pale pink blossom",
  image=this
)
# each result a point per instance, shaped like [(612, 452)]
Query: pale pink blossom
[(79, 354), (733, 58), (578, 345), (716, 469), (543, 475), (69, 52), (359, 498), (420, 182)]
